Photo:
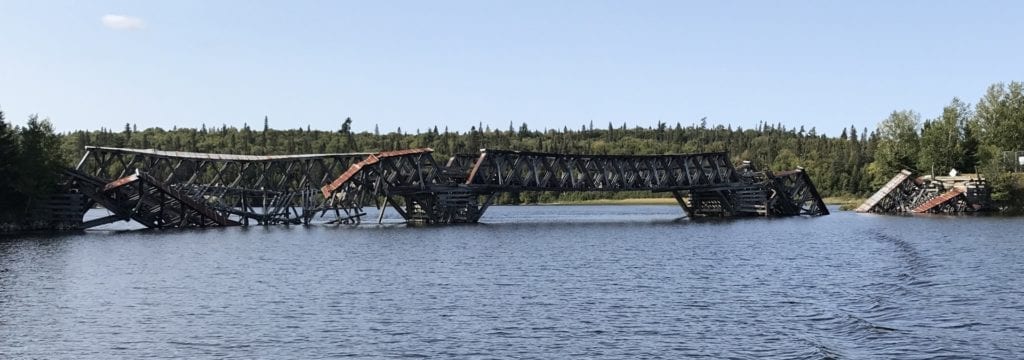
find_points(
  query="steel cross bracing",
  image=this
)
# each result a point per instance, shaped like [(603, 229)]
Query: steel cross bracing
[(245, 188), (146, 200), (173, 189), (518, 170), (412, 183), (704, 184)]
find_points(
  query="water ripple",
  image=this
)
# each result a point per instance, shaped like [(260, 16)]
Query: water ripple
[(535, 282)]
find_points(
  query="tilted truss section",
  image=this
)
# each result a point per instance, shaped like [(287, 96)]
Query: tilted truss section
[(246, 188), (412, 169), (954, 198), (794, 194), (895, 196), (146, 200), (412, 183), (906, 194)]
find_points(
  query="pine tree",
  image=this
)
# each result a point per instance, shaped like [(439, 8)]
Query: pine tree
[(40, 160), (127, 135), (264, 137), (9, 159)]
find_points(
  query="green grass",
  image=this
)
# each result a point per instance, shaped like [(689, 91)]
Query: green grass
[(634, 201), (844, 202)]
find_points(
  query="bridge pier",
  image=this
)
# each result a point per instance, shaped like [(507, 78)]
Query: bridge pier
[(766, 194), (453, 206), (735, 202)]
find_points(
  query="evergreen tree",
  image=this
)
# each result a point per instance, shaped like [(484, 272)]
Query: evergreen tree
[(10, 199), (346, 126), (41, 159), (127, 135)]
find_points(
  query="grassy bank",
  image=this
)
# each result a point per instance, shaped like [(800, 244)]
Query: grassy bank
[(634, 201), (844, 202)]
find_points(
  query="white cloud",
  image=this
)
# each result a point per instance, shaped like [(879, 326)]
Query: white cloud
[(122, 22)]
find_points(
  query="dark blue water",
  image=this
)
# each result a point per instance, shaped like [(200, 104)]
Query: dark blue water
[(533, 282)]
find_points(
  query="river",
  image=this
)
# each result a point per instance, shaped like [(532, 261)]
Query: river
[(608, 282)]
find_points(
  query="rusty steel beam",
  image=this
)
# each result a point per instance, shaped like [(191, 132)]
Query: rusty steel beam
[(413, 184), (907, 194)]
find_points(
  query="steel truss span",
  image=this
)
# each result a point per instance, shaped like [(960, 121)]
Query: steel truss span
[(182, 189)]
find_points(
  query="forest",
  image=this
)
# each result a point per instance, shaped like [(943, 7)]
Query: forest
[(980, 138)]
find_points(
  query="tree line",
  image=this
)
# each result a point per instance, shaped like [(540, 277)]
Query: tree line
[(978, 138), (986, 138), (30, 160)]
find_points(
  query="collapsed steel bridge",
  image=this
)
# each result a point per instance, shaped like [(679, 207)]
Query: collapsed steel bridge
[(906, 194), (161, 189)]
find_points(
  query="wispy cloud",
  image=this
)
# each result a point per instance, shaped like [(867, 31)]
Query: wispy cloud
[(122, 22)]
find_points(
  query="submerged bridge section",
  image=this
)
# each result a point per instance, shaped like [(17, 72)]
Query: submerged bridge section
[(182, 189), (703, 184), (941, 194), (245, 189)]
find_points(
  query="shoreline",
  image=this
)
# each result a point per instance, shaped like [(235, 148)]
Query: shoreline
[(35, 227), (629, 201), (845, 203)]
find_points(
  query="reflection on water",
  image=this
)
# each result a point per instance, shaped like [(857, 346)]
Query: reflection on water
[(538, 281)]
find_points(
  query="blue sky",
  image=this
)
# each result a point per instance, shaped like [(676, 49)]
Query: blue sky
[(416, 64)]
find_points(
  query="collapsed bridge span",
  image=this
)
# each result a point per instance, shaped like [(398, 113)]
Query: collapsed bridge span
[(186, 189), (704, 184), (953, 194)]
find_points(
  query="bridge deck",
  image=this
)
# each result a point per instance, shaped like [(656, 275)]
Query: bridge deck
[(939, 194), (939, 200), (884, 192)]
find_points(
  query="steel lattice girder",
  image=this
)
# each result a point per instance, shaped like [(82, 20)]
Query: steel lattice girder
[(798, 194), (414, 176), (278, 173), (417, 187), (230, 184), (518, 170), (146, 200)]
